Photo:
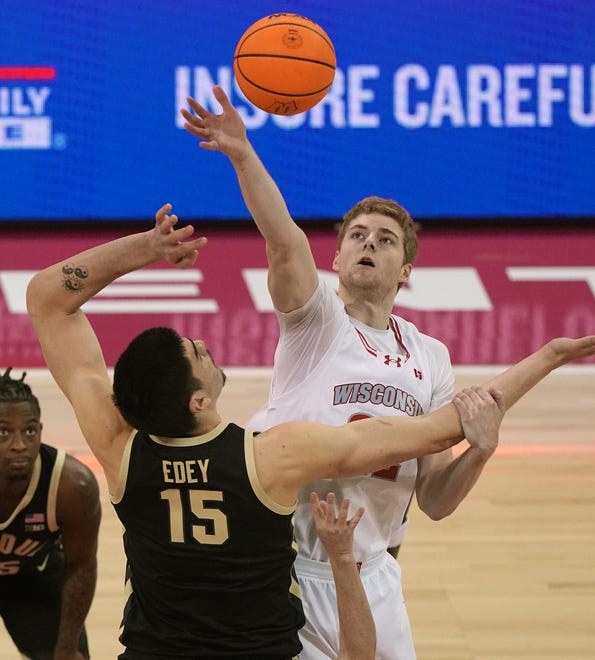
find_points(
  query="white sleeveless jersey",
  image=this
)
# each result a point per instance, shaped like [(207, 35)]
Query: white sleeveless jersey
[(331, 368)]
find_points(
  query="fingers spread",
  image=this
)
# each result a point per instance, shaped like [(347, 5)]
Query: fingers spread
[(357, 516), (197, 107), (221, 96)]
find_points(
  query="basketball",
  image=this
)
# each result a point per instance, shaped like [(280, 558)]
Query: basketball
[(284, 63)]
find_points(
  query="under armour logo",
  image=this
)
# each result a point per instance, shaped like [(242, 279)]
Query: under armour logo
[(388, 360), (418, 374)]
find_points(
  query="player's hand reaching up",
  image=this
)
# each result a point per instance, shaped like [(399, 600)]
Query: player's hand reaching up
[(357, 633), (224, 132), (335, 531), (172, 244)]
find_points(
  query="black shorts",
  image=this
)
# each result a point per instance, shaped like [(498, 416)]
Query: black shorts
[(30, 609)]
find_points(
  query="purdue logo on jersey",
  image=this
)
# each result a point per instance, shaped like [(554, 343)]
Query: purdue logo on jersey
[(10, 547)]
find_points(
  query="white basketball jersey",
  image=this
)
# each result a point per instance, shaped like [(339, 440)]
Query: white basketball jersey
[(331, 368)]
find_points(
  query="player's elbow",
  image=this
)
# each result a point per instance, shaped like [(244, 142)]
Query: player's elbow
[(437, 514), (34, 297), (44, 298), (38, 300), (436, 508)]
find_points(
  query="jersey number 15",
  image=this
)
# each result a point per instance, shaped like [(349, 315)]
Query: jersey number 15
[(215, 532)]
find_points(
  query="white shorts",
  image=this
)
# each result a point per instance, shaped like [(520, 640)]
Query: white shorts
[(381, 577)]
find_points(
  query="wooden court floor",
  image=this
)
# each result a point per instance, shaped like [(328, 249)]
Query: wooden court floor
[(510, 575)]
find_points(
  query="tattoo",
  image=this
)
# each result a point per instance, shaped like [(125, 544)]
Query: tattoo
[(74, 276)]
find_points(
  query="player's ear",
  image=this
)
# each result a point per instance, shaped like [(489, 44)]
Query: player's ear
[(405, 273), (198, 402), (336, 261)]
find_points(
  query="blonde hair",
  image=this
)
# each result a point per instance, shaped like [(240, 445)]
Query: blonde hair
[(391, 209)]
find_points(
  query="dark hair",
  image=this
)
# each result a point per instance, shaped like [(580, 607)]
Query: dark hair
[(391, 209), (15, 391), (153, 383)]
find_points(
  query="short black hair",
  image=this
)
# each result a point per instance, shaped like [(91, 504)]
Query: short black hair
[(153, 383), (16, 391)]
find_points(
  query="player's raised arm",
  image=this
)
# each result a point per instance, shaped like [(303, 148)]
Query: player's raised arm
[(357, 633), (516, 381), (300, 452), (69, 344), (292, 271)]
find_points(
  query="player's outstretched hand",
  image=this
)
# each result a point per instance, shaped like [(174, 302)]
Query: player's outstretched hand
[(335, 531), (224, 132), (564, 350), (172, 244)]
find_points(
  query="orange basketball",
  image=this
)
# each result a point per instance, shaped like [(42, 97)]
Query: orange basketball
[(284, 63)]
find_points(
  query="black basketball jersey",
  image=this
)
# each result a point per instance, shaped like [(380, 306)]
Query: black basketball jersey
[(209, 554), (31, 530)]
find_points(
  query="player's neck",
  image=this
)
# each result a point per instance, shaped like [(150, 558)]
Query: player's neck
[(207, 421), (370, 305), (372, 315)]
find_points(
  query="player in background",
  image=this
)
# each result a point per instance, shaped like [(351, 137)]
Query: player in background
[(49, 521)]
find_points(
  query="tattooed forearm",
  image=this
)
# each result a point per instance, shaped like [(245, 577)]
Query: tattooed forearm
[(73, 277)]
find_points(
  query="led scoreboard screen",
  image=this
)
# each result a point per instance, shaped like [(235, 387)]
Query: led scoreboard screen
[(457, 109)]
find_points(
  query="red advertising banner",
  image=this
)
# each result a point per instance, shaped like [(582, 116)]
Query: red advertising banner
[(491, 295)]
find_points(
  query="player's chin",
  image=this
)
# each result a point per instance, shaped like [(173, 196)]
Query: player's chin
[(18, 474), (364, 274)]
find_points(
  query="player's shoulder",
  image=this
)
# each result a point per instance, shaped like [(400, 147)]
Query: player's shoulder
[(434, 346), (286, 432), (78, 497), (78, 477)]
